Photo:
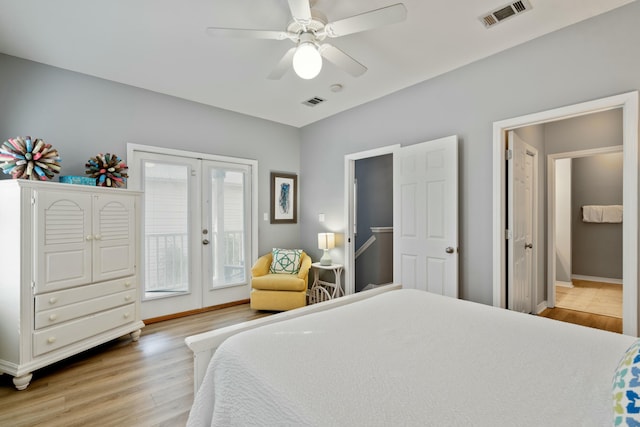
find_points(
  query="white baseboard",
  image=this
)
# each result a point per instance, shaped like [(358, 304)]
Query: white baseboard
[(564, 284), (597, 279), (541, 307)]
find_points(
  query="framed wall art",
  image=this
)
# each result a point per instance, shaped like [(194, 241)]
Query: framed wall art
[(284, 198)]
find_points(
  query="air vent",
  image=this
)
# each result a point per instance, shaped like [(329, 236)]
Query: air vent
[(505, 12), (313, 101)]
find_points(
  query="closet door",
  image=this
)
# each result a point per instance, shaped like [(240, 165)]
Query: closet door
[(113, 236), (63, 238)]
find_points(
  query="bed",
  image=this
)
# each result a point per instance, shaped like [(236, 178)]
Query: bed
[(405, 357)]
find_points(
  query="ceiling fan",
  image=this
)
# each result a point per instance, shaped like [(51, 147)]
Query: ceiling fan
[(308, 29)]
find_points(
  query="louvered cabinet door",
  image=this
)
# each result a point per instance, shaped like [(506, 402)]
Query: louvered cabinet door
[(113, 238), (63, 239)]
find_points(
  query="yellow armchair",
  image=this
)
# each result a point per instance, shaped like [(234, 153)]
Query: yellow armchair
[(279, 291)]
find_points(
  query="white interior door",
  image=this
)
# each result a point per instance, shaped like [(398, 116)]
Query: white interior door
[(521, 178), (426, 216)]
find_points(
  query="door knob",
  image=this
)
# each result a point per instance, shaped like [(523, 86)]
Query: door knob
[(528, 245), (205, 242), (449, 250)]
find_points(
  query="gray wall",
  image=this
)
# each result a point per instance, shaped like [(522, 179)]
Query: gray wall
[(596, 248), (82, 116), (589, 60)]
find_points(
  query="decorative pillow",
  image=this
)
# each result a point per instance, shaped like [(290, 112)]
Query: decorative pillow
[(626, 388), (285, 261)]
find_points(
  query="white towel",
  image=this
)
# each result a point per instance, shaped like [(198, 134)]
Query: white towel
[(612, 213), (592, 213)]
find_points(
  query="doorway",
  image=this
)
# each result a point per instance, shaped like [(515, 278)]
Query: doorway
[(425, 215), (373, 228), (586, 252), (198, 229), (628, 103)]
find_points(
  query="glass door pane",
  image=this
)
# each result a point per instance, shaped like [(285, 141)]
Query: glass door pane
[(227, 214), (166, 228)]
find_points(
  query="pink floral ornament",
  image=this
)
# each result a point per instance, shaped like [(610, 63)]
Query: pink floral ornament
[(25, 158), (108, 170)]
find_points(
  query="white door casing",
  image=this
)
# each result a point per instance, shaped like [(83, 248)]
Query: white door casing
[(628, 102), (522, 245), (426, 216)]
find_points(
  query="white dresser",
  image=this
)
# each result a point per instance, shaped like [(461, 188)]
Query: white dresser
[(68, 259)]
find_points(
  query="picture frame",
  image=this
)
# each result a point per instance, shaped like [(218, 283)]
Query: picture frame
[(284, 198)]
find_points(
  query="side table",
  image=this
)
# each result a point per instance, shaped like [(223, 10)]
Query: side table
[(322, 290)]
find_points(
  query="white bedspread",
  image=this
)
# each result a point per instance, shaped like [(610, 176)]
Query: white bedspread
[(412, 358)]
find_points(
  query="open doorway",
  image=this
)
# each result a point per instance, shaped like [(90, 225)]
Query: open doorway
[(353, 209), (425, 215), (627, 104), (586, 247), (374, 222)]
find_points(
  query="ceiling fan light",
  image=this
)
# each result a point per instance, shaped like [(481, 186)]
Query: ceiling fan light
[(307, 61)]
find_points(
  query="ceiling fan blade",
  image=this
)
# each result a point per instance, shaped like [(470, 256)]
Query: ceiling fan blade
[(300, 10), (367, 21), (342, 60), (249, 34), (283, 66)]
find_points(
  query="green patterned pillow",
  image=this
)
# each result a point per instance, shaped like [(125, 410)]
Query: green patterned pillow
[(626, 388), (285, 261)]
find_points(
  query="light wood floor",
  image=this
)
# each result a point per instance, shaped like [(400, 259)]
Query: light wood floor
[(591, 297), (607, 323), (121, 383), (593, 304)]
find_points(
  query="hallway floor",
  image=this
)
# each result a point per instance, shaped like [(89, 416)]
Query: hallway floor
[(591, 297)]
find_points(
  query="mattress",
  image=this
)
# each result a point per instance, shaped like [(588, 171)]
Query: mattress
[(412, 358)]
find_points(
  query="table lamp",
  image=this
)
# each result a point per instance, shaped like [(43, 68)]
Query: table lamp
[(326, 241)]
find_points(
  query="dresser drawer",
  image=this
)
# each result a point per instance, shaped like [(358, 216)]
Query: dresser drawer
[(82, 293), (73, 311), (59, 336)]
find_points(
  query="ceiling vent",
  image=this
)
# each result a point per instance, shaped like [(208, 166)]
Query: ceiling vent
[(313, 101), (505, 12)]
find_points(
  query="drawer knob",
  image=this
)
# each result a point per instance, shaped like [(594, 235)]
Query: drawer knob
[(53, 317), (53, 300), (127, 284), (127, 298), (51, 340), (126, 315)]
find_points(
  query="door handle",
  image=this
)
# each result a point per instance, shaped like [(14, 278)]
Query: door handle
[(205, 242), (449, 250), (528, 245)]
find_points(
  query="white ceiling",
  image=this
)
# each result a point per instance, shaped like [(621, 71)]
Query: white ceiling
[(161, 45)]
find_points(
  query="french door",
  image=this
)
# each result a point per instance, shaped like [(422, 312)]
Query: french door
[(198, 230)]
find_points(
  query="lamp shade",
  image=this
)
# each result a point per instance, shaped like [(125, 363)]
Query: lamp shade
[(307, 61), (326, 240)]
